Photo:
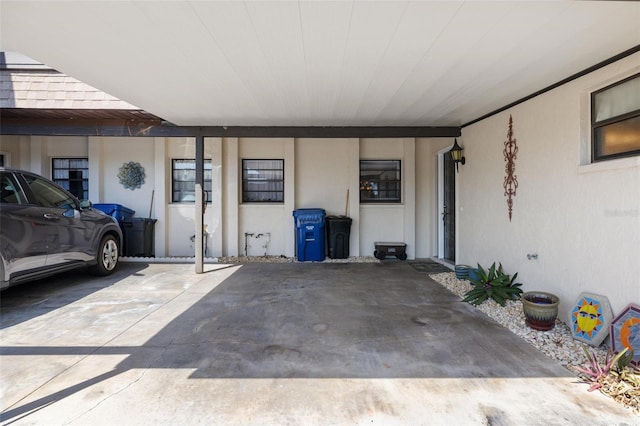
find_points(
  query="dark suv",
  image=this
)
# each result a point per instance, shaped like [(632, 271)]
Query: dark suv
[(45, 230)]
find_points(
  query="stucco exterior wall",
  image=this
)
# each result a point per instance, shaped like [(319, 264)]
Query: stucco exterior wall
[(180, 217), (264, 224), (390, 222), (320, 173), (581, 220), (11, 147), (326, 176)]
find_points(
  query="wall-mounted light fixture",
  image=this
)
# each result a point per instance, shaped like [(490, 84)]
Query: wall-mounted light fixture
[(456, 154)]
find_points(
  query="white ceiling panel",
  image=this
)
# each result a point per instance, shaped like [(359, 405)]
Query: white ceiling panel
[(319, 63)]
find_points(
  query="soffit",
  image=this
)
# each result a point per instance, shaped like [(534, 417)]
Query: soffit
[(298, 63)]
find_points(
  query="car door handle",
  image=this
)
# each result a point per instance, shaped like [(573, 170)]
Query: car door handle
[(51, 216)]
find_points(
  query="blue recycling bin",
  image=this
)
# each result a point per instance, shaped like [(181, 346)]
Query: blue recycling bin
[(120, 212), (310, 234)]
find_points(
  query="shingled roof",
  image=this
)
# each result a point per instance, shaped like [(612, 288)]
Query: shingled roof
[(32, 90), (53, 90)]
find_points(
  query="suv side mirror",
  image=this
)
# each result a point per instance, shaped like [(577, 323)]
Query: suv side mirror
[(85, 204)]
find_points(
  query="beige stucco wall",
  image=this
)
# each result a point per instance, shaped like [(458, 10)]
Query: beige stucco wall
[(581, 220), (326, 177), (390, 222), (10, 147), (318, 173), (179, 226), (268, 224)]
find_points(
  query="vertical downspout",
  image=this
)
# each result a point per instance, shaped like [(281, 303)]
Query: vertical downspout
[(200, 202)]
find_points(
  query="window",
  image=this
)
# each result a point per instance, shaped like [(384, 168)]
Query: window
[(263, 181), (9, 190), (183, 180), (48, 195), (73, 175), (380, 181), (615, 120)]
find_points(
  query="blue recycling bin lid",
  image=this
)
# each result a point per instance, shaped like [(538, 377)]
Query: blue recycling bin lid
[(118, 211), (309, 216)]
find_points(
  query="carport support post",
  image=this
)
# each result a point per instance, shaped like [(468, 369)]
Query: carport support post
[(200, 202)]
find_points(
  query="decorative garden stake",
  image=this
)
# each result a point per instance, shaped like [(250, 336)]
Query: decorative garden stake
[(510, 180), (131, 175)]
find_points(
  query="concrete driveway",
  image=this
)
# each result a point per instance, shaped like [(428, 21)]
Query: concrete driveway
[(279, 343)]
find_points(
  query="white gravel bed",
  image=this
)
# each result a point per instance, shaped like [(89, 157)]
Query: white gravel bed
[(557, 343)]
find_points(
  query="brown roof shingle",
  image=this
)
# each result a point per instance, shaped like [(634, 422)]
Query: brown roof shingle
[(52, 90)]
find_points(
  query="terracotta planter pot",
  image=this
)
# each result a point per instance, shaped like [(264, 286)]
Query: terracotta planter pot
[(540, 309)]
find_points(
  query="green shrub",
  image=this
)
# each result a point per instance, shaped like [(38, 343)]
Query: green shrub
[(494, 284)]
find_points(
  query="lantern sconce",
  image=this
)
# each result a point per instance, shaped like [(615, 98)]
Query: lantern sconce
[(456, 154)]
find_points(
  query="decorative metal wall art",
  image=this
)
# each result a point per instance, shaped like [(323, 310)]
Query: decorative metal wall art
[(510, 180), (131, 175)]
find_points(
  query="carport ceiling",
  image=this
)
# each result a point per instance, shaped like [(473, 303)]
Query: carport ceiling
[(322, 63)]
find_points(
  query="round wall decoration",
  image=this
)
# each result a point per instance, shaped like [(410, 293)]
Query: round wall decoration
[(131, 175)]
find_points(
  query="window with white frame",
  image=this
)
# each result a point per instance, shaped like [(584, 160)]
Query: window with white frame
[(72, 174), (615, 120), (183, 180), (263, 181), (380, 181)]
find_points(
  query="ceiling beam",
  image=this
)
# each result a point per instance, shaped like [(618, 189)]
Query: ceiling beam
[(128, 128)]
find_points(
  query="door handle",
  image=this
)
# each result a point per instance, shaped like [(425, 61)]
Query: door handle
[(51, 216)]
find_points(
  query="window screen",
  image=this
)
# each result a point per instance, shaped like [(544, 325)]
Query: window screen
[(73, 175), (263, 181), (380, 181), (183, 180)]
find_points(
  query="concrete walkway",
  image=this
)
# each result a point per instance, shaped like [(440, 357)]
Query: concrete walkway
[(287, 343)]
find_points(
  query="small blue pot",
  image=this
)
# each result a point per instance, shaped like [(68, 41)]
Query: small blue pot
[(473, 274), (462, 271)]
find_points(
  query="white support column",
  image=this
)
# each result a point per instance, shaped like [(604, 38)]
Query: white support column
[(36, 155), (354, 196), (409, 201), (289, 197), (96, 166), (25, 153), (161, 190), (229, 183)]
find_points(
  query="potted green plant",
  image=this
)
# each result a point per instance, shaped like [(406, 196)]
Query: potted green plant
[(492, 284), (540, 309)]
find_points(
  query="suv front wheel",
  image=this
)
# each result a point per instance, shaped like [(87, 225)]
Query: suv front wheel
[(107, 256)]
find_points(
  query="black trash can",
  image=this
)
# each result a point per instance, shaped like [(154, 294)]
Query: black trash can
[(338, 232), (139, 237)]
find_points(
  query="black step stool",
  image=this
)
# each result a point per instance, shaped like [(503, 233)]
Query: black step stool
[(382, 250)]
